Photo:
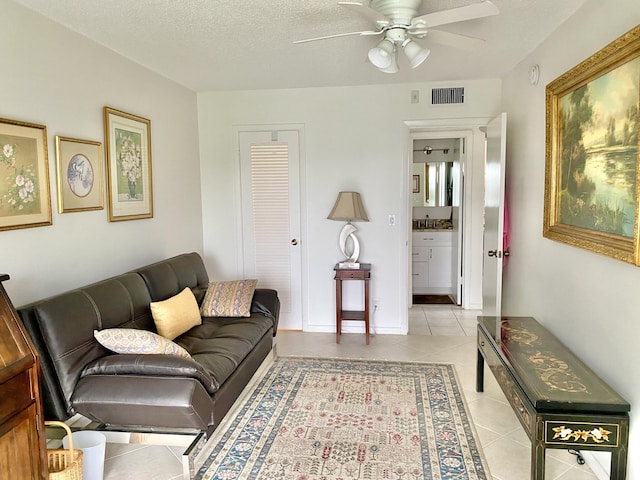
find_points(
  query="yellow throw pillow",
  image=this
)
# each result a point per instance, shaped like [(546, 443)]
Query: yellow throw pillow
[(176, 315), (228, 299)]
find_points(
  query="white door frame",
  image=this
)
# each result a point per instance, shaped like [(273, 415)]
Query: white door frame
[(300, 129), (465, 136), (468, 128)]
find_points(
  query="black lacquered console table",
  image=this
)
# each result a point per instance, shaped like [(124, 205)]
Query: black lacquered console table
[(559, 401)]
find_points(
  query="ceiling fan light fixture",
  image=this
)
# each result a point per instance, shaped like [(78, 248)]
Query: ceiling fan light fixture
[(382, 54), (393, 68), (415, 53)]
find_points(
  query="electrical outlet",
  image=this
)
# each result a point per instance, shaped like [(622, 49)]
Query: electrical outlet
[(415, 96), (376, 304), (392, 220)]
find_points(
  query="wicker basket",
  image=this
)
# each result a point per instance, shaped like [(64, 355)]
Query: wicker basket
[(64, 464)]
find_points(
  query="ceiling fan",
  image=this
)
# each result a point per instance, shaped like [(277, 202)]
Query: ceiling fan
[(397, 21)]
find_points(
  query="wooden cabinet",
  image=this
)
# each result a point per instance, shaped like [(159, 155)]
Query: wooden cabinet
[(22, 443), (432, 262)]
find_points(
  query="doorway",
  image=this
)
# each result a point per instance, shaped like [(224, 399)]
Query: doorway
[(437, 227)]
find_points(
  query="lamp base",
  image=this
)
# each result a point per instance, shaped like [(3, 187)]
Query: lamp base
[(349, 265), (347, 232)]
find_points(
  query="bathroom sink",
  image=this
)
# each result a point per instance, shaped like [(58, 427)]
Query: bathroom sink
[(422, 225)]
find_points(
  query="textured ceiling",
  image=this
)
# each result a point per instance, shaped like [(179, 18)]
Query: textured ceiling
[(247, 44)]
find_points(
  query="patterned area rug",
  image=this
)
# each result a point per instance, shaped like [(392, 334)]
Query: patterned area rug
[(321, 419)]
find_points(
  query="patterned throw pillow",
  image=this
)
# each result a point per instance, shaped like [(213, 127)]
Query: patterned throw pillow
[(176, 315), (132, 340), (228, 299)]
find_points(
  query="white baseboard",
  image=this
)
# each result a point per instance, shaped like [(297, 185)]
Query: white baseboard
[(355, 329)]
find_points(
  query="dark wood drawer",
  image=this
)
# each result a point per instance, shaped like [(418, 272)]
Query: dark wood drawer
[(582, 430), (17, 394), (356, 274)]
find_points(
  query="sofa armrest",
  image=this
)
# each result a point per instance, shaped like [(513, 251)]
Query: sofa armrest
[(133, 401), (266, 302), (153, 365)]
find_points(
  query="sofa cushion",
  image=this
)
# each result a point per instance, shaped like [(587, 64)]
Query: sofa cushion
[(220, 344), (169, 277), (176, 315), (131, 340), (228, 299)]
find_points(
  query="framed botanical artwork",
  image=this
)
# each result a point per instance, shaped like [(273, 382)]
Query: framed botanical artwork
[(416, 184), (24, 175), (592, 177), (128, 149), (80, 177)]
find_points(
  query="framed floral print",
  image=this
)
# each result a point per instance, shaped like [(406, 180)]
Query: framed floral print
[(128, 149), (592, 179), (80, 178), (24, 175)]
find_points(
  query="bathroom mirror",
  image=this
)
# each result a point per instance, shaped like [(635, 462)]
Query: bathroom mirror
[(433, 184), (436, 171)]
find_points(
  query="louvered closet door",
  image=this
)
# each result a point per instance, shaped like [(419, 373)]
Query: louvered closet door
[(271, 217)]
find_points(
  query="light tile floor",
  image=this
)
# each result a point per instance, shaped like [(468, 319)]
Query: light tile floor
[(437, 333)]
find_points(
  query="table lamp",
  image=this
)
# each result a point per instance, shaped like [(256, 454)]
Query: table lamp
[(349, 208)]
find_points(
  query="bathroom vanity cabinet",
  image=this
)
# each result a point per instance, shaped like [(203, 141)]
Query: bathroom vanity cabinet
[(432, 262)]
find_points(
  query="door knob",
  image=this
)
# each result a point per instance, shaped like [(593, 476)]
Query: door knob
[(294, 242), (495, 253)]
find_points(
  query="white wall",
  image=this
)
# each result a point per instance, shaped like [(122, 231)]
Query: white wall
[(589, 301), (57, 78), (356, 138)]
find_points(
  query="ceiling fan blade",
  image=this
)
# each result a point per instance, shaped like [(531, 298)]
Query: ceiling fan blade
[(376, 17), (366, 32), (453, 15), (454, 39)]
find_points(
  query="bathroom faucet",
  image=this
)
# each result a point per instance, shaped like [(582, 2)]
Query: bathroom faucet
[(430, 223)]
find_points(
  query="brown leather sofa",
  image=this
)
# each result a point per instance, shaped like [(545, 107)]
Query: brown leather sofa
[(149, 391)]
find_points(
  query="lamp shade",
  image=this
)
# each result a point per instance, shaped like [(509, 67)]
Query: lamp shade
[(415, 53), (348, 207), (393, 68), (381, 55)]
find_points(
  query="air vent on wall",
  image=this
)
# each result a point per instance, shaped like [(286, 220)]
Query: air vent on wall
[(445, 96)]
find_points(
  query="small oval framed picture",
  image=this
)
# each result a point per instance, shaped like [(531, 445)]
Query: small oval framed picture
[(80, 175)]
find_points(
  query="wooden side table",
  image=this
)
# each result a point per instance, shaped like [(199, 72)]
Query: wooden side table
[(364, 274)]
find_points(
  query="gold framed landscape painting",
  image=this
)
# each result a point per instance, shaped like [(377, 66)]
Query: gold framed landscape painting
[(128, 149), (592, 176), (24, 175), (80, 178)]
